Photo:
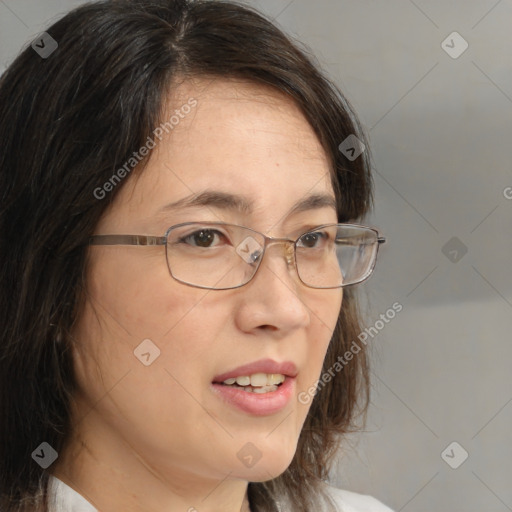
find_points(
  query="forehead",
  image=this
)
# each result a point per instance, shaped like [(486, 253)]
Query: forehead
[(244, 119), (240, 138)]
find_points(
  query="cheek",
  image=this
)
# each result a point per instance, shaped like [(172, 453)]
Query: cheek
[(324, 312), (136, 297), (177, 326), (134, 307)]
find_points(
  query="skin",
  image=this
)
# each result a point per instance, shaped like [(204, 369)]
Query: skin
[(155, 438)]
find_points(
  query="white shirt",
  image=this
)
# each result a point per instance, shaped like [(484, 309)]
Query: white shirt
[(347, 501), (65, 499)]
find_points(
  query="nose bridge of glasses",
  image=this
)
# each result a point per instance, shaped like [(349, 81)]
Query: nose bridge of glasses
[(288, 249)]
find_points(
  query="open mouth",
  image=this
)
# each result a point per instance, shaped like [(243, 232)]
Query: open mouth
[(256, 383), (258, 394)]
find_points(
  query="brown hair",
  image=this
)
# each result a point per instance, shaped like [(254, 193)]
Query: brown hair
[(67, 122)]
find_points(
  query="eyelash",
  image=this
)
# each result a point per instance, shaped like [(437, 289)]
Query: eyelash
[(184, 238)]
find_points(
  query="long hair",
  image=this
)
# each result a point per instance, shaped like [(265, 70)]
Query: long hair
[(67, 121)]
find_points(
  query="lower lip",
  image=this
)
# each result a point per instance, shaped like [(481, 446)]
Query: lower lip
[(258, 404)]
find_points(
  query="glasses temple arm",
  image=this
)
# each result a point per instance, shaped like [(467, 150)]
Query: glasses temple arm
[(127, 240)]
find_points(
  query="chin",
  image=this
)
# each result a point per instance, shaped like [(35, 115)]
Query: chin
[(268, 467), (262, 473)]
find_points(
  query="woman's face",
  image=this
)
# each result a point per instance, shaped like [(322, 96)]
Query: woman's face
[(248, 142)]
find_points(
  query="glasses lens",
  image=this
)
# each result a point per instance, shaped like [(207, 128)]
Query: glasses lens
[(336, 255), (216, 256)]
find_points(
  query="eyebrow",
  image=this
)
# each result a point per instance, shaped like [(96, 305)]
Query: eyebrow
[(241, 204)]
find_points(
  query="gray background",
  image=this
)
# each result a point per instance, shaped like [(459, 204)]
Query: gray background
[(440, 131)]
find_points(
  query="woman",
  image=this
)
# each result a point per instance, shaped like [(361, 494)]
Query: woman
[(176, 254)]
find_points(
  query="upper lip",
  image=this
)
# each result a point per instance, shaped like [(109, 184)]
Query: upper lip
[(287, 368)]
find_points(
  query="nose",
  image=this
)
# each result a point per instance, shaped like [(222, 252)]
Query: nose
[(273, 299)]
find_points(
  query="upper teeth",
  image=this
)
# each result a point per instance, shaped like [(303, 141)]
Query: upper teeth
[(257, 379)]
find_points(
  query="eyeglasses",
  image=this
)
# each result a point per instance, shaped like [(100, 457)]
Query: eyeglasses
[(221, 256)]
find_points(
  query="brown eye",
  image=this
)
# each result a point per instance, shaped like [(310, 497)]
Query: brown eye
[(312, 240), (203, 238)]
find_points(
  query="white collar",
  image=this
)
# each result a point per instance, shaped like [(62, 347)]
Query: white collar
[(63, 498)]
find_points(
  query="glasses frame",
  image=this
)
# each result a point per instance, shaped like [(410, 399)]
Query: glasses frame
[(290, 248)]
